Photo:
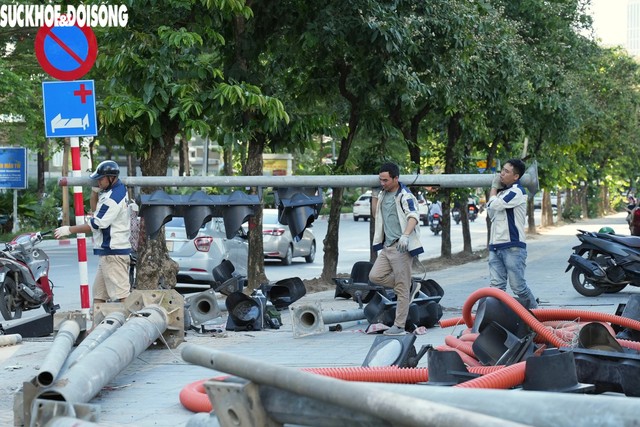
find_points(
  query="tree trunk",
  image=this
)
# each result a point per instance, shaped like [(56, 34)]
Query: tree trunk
[(330, 242), (227, 153), (546, 210), (454, 131), (184, 168), (330, 257), (155, 269), (41, 163), (255, 269), (531, 224)]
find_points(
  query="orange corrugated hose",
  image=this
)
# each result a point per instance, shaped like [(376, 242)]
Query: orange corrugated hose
[(194, 397), (561, 324), (447, 323), (469, 337), (634, 345), (514, 305), (463, 346), (507, 377), (375, 374), (584, 316), (466, 359)]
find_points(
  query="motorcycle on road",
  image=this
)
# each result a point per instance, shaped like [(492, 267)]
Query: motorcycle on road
[(456, 215), (24, 277), (436, 224), (472, 212), (604, 263)]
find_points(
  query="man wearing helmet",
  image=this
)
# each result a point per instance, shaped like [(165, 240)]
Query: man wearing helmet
[(111, 230)]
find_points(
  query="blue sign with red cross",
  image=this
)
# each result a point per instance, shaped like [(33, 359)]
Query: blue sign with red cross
[(69, 109)]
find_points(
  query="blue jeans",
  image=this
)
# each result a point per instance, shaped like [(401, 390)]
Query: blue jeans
[(509, 264)]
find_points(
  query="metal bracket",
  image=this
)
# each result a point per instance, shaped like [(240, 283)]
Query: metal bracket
[(103, 309), (238, 404), (171, 301), (78, 316), (43, 411)]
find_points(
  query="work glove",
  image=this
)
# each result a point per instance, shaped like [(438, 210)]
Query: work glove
[(496, 183), (62, 231), (403, 244)]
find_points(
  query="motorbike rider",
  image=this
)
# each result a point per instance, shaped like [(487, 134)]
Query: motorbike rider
[(435, 208), (110, 225), (472, 206)]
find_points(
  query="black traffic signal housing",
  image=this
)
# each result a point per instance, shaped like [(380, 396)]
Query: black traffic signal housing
[(197, 208), (298, 208)]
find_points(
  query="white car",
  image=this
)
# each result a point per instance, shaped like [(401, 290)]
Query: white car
[(362, 207), (199, 256), (278, 243)]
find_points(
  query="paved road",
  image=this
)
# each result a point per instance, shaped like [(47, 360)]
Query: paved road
[(146, 392), (64, 271)]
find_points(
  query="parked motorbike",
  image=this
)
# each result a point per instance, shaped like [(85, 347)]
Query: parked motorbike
[(436, 224), (456, 215), (24, 277), (604, 262)]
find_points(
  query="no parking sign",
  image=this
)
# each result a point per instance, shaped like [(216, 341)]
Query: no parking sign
[(66, 53)]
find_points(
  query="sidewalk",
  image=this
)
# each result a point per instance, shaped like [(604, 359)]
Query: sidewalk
[(146, 392)]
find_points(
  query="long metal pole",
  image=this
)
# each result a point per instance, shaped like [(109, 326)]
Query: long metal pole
[(400, 410), (62, 344), (86, 378), (100, 333), (329, 317), (537, 408), (442, 180)]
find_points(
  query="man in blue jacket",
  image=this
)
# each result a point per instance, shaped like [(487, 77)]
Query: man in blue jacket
[(110, 226), (507, 209), (397, 237)]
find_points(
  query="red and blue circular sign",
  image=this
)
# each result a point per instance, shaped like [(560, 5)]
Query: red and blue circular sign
[(66, 52)]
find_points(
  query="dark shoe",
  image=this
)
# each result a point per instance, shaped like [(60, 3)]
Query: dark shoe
[(395, 330)]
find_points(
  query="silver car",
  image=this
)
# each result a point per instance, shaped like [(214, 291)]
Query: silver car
[(199, 256), (278, 242)]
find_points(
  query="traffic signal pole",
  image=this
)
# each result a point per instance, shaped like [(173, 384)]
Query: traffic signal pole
[(78, 203), (529, 180)]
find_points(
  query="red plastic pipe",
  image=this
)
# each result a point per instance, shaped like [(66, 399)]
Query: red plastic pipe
[(585, 316), (463, 346), (507, 377), (466, 359), (514, 305)]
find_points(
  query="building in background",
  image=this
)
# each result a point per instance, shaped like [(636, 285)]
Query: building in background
[(633, 28)]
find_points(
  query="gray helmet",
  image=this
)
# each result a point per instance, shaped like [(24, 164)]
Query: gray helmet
[(106, 168)]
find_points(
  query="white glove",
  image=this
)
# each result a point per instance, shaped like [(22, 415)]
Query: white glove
[(96, 189), (63, 231), (496, 183), (403, 243)]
